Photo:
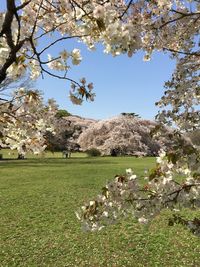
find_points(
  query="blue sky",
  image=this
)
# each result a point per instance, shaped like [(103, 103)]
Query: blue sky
[(122, 84)]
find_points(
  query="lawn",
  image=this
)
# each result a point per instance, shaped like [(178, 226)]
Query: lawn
[(38, 226)]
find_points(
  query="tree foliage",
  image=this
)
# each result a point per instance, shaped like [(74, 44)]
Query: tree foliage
[(131, 114), (62, 113), (68, 130)]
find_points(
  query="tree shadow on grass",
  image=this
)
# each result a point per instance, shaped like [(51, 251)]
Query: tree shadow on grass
[(11, 163)]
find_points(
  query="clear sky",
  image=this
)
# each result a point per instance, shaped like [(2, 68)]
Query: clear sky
[(122, 84)]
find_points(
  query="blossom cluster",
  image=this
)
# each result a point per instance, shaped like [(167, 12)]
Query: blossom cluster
[(180, 103), (81, 91), (25, 121), (142, 198), (30, 29)]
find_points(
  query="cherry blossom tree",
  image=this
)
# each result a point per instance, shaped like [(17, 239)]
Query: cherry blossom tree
[(122, 135), (23, 28), (68, 130), (122, 27), (65, 136), (25, 121)]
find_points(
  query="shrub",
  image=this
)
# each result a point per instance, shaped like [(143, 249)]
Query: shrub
[(93, 152)]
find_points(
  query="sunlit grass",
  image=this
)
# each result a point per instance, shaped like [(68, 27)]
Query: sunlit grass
[(12, 154), (38, 226)]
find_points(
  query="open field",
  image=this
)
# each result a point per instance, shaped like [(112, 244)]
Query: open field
[(38, 226), (12, 154)]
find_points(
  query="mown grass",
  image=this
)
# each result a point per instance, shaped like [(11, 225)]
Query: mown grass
[(12, 154), (38, 226)]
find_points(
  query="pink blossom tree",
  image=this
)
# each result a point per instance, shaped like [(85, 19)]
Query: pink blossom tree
[(123, 135)]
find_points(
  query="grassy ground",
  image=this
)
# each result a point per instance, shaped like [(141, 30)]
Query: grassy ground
[(12, 154), (38, 227)]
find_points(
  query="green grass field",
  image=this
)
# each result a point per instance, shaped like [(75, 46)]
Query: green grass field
[(38, 226)]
